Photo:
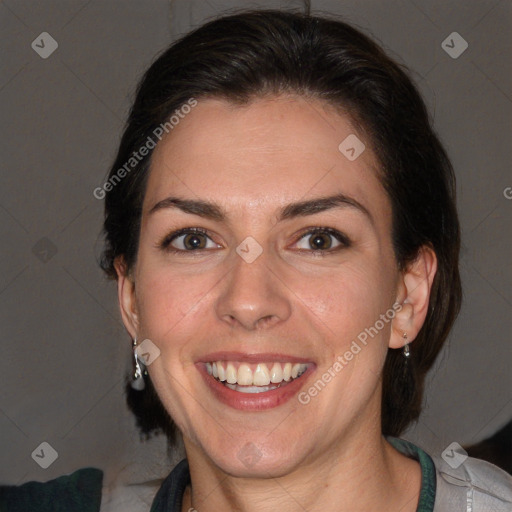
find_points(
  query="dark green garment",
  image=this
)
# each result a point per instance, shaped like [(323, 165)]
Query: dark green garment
[(78, 492), (170, 496), (81, 491), (428, 472)]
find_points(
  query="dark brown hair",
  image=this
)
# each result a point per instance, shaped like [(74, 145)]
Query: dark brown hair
[(257, 53)]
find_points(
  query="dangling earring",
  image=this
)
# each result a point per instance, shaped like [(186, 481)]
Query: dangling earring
[(407, 352), (138, 379)]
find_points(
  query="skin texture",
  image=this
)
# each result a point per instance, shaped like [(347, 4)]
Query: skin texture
[(253, 160)]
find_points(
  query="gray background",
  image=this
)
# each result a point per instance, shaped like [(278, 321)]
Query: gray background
[(64, 350)]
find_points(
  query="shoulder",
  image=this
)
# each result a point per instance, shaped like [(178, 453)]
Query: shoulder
[(170, 495), (79, 491), (129, 497), (473, 485), (134, 490)]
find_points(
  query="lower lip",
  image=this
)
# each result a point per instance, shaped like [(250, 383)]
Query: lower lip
[(253, 401)]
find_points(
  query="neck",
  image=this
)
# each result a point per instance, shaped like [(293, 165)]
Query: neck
[(360, 474)]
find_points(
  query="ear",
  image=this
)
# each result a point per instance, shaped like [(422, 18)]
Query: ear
[(413, 296), (126, 296)]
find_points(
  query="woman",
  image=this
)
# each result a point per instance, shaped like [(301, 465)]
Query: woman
[(281, 222)]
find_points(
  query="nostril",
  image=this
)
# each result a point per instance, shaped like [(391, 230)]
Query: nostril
[(264, 321)]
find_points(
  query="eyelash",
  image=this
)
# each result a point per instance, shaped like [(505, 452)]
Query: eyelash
[(340, 237), (166, 242)]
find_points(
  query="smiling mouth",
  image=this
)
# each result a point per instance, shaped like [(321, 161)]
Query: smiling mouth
[(255, 378)]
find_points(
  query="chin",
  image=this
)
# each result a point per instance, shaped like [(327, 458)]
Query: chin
[(257, 456)]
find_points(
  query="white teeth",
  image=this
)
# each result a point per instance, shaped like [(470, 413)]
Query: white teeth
[(261, 376), (276, 374), (258, 379), (287, 371), (244, 375), (251, 389), (221, 372), (231, 374)]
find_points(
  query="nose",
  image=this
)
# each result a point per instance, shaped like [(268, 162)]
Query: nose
[(253, 296)]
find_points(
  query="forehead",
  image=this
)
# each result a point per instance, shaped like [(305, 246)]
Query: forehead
[(264, 154)]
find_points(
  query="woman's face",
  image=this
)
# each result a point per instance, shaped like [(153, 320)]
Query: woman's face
[(271, 275)]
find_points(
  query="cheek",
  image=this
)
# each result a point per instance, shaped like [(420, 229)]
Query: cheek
[(170, 301), (350, 299), (337, 290)]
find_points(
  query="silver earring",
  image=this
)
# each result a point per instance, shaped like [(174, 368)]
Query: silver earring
[(407, 351), (138, 379)]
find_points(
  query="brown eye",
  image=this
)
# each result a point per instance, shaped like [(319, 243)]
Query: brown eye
[(188, 240), (320, 241), (323, 240), (194, 241)]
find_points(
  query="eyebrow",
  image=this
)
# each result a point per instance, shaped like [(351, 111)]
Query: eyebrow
[(213, 211)]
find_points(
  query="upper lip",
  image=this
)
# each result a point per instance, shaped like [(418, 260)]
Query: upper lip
[(259, 357)]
